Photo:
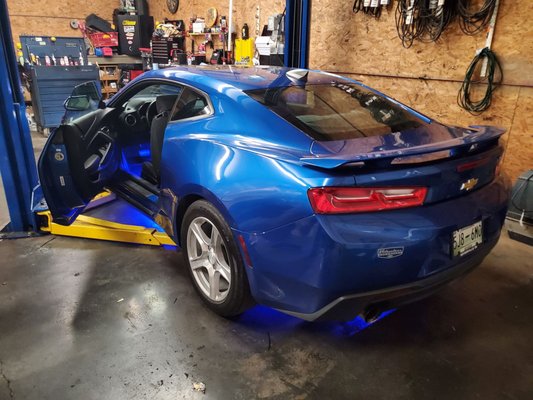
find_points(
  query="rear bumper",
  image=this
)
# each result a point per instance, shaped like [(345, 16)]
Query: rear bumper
[(334, 266), (348, 307)]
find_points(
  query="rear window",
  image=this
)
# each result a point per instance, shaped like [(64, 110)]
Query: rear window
[(337, 111)]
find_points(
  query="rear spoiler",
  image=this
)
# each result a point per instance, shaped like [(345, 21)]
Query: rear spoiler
[(474, 138)]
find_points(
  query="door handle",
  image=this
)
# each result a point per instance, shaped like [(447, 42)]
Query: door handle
[(92, 164)]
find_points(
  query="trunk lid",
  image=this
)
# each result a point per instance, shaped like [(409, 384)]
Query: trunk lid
[(449, 161), (414, 146)]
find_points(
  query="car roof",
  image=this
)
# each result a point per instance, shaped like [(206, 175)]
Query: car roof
[(220, 78), (243, 78)]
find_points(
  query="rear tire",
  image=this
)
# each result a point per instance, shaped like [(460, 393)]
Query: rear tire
[(214, 261)]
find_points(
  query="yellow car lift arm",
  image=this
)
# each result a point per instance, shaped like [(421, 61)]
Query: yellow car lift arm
[(96, 228)]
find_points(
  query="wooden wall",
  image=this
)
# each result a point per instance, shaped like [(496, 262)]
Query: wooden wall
[(244, 11), (427, 76), (52, 18)]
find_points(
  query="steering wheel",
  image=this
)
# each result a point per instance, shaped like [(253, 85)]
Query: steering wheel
[(151, 112)]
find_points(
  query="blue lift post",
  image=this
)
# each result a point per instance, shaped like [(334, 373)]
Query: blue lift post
[(17, 162), (297, 24)]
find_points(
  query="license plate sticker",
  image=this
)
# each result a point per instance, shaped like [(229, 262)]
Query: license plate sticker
[(467, 239)]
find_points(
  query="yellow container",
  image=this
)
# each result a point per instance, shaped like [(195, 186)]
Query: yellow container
[(244, 51)]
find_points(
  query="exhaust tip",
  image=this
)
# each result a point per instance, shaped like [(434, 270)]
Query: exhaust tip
[(372, 314)]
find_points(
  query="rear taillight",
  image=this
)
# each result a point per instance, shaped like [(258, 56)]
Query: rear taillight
[(339, 200)]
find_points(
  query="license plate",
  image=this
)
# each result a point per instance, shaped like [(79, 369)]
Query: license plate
[(467, 239)]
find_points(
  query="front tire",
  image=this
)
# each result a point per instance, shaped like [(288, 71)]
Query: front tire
[(214, 261)]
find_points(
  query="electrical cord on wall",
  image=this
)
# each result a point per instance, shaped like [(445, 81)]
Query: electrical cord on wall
[(439, 17), (473, 22), (426, 20), (423, 20), (407, 21), (372, 8), (493, 79)]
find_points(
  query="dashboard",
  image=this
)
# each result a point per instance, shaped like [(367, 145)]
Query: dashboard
[(137, 114)]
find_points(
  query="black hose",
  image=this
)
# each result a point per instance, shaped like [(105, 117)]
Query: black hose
[(473, 22), (426, 20), (493, 79), (422, 20)]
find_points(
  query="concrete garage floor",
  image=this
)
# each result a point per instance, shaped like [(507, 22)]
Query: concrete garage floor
[(82, 319)]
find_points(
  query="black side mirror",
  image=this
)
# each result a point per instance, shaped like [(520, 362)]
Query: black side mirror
[(77, 103), (84, 96), (88, 88)]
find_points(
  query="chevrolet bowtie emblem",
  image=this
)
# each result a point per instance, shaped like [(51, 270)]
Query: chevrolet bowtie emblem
[(469, 184)]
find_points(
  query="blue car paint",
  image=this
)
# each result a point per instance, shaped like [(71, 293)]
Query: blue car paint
[(256, 168), (250, 167), (307, 264)]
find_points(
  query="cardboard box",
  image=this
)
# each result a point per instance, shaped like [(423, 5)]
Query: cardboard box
[(198, 27)]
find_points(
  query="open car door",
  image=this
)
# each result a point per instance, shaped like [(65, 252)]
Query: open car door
[(78, 159)]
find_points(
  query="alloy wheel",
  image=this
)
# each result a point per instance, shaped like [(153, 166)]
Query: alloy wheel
[(209, 259)]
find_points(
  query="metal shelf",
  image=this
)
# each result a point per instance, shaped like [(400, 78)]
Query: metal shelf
[(207, 33), (115, 60)]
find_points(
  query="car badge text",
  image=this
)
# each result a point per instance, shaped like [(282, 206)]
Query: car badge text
[(390, 252)]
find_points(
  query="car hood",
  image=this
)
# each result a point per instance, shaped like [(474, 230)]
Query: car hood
[(430, 138)]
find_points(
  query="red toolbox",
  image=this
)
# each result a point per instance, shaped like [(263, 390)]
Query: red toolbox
[(100, 39)]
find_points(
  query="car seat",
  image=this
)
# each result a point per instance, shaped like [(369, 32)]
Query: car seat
[(151, 170)]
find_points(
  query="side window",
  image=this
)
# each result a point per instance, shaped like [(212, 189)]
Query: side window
[(190, 104), (151, 92)]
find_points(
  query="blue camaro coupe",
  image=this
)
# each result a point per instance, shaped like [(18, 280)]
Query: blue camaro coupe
[(301, 190)]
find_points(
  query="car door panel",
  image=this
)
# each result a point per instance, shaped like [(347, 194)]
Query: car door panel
[(78, 159), (81, 158)]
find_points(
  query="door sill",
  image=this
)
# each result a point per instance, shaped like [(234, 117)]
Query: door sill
[(136, 191)]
